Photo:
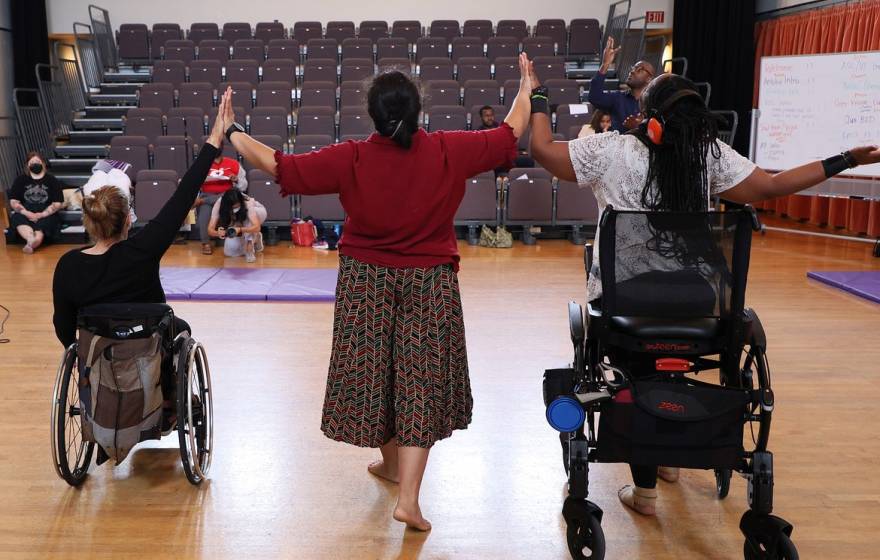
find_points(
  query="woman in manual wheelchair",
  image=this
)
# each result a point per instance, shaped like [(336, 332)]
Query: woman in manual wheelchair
[(666, 292), (130, 343)]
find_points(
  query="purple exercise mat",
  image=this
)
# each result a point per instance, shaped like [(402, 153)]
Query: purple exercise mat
[(239, 284), (863, 284), (297, 284), (180, 282)]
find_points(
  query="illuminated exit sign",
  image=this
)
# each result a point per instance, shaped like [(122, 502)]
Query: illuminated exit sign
[(655, 17)]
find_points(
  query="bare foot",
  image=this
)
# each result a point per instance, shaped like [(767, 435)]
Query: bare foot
[(378, 468), (412, 520), (27, 249), (641, 500)]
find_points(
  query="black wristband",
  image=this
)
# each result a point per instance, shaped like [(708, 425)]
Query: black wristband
[(540, 99), (838, 164), (233, 128)]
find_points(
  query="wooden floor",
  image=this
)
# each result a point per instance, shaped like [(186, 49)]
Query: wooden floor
[(279, 489)]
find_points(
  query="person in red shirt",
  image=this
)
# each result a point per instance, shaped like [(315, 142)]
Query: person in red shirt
[(398, 377), (225, 173)]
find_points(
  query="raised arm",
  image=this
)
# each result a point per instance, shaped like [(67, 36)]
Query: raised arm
[(597, 95), (553, 156), (258, 154), (760, 185), (518, 117)]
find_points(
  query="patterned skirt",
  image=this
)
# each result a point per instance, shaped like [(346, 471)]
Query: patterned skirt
[(399, 364)]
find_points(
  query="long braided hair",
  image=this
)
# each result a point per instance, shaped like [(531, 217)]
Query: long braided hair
[(678, 178)]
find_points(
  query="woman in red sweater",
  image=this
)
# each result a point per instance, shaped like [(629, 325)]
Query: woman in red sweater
[(398, 376)]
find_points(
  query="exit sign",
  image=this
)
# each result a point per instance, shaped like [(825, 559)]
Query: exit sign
[(655, 17)]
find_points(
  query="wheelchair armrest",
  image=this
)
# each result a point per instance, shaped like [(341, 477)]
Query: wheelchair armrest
[(588, 257)]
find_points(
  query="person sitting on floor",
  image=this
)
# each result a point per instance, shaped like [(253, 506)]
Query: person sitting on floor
[(35, 198)]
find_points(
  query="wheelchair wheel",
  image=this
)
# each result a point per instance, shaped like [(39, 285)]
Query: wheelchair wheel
[(761, 550), (71, 454), (722, 482), (586, 539), (194, 410)]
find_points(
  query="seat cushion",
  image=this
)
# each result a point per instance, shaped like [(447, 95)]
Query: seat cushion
[(675, 329)]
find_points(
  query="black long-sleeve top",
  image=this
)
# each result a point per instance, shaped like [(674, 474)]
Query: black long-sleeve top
[(129, 271)]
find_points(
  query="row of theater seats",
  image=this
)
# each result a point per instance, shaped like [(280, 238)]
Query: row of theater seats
[(353, 69), (581, 37), (526, 196)]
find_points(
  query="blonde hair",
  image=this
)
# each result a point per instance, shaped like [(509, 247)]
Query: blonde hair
[(105, 212)]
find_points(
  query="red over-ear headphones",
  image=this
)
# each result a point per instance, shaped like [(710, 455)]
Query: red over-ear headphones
[(656, 122)]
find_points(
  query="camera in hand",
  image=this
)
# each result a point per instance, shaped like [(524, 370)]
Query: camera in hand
[(232, 232)]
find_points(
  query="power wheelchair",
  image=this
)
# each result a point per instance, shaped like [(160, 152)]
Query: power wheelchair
[(672, 304), (109, 390)]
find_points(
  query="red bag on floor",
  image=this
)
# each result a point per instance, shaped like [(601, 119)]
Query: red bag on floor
[(303, 233)]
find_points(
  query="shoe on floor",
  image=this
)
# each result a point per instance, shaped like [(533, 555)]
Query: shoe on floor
[(640, 500), (258, 243), (27, 249), (250, 257), (207, 249)]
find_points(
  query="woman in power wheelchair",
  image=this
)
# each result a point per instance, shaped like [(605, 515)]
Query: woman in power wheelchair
[(666, 298), (118, 377)]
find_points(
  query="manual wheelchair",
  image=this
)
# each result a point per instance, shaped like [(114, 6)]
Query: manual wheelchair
[(672, 304), (109, 390)]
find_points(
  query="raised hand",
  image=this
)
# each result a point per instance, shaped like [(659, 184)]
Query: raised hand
[(609, 54), (525, 73), (632, 121), (866, 155), (219, 128), (228, 111), (533, 76)]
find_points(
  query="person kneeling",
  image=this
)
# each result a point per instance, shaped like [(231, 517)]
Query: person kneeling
[(237, 219)]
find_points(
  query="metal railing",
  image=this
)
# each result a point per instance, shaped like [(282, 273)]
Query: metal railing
[(86, 53), (103, 34), (32, 126)]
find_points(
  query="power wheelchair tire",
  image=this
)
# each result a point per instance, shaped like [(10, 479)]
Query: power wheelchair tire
[(194, 409), (71, 455), (785, 550), (722, 482), (586, 534)]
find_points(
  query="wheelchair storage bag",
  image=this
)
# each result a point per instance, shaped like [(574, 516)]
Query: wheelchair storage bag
[(120, 390), (683, 423)]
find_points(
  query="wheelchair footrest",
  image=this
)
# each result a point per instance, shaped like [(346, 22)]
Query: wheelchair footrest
[(597, 397)]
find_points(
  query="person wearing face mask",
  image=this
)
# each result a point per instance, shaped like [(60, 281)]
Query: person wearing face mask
[(623, 106), (237, 219), (35, 198)]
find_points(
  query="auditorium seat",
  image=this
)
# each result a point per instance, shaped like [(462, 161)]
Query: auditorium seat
[(214, 49), (154, 188), (431, 47), (252, 49), (199, 32), (286, 49), (161, 33), (318, 94), (169, 72), (270, 121), (316, 120), (268, 30), (466, 47), (507, 68), (447, 117), (356, 69), (474, 68), (394, 63), (515, 28), (563, 91), (528, 196), (479, 28), (357, 48), (324, 207), (146, 122), (474, 113), (305, 30), (171, 152), (262, 186), (441, 92), (373, 30), (158, 96), (555, 30), (234, 31), (355, 120), (210, 71), (584, 38), (305, 143), (549, 67), (340, 31), (446, 28), (179, 49), (319, 70), (435, 69), (133, 42), (185, 121), (322, 49), (352, 94), (565, 120), (538, 46), (242, 94), (480, 203), (392, 47), (575, 205), (243, 71), (410, 30), (280, 70), (275, 94), (196, 94), (507, 47), (131, 149), (481, 92)]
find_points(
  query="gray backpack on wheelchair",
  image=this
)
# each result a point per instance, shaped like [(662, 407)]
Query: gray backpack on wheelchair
[(121, 361)]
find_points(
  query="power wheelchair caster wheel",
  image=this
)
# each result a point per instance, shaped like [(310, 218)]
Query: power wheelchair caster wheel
[(722, 482), (767, 537), (586, 539)]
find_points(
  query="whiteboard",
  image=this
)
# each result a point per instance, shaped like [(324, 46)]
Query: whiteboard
[(815, 106)]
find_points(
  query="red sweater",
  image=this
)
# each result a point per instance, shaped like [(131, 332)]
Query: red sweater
[(399, 204)]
